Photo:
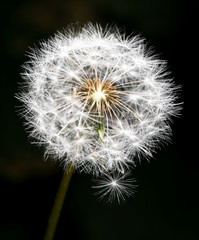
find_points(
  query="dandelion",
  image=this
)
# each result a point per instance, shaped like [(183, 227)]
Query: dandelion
[(98, 102), (97, 99)]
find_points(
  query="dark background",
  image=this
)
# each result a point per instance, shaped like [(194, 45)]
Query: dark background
[(166, 203)]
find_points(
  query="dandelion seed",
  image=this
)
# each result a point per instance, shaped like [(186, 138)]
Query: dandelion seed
[(114, 187), (98, 100)]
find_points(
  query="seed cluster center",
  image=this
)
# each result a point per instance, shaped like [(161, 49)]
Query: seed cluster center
[(99, 95)]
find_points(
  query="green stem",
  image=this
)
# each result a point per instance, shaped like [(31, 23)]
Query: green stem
[(101, 132), (54, 217)]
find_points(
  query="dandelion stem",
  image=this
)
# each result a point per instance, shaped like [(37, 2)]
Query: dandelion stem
[(56, 210)]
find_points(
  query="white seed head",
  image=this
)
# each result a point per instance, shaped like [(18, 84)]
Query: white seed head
[(98, 99)]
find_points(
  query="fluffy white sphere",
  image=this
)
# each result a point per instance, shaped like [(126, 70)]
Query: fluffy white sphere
[(98, 99)]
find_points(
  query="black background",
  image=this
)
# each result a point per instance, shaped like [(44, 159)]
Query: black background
[(166, 203)]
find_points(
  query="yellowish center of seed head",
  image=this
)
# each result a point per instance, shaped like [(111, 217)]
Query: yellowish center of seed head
[(98, 95)]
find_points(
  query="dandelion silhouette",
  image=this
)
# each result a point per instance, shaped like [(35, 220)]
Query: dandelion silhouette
[(98, 101)]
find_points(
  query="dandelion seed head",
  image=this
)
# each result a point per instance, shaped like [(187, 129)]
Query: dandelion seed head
[(98, 99)]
